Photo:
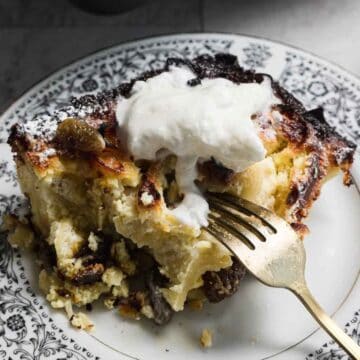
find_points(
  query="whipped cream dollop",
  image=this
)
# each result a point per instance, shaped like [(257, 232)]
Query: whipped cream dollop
[(196, 123)]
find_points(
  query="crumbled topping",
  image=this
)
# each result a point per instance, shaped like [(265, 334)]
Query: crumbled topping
[(109, 302), (113, 276), (120, 254), (206, 340), (120, 291), (147, 311)]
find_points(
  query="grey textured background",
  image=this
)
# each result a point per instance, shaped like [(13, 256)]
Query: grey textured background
[(39, 36)]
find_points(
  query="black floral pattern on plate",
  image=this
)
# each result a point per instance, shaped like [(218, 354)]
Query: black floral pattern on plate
[(256, 55), (8, 173), (316, 85), (28, 333), (331, 350)]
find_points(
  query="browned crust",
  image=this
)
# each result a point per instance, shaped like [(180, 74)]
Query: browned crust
[(308, 132), (304, 192), (301, 229), (21, 142)]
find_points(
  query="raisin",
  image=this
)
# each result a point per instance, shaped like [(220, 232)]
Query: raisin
[(162, 310), (90, 274), (215, 172), (221, 284), (78, 135)]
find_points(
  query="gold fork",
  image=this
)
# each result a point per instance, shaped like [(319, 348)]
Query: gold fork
[(271, 250)]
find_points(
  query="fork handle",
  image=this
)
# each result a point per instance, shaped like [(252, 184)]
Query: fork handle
[(303, 293)]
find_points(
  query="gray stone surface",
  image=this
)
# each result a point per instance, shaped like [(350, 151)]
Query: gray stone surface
[(62, 13), (39, 36), (329, 28)]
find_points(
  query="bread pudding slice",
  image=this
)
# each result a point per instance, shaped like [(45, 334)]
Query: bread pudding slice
[(104, 219)]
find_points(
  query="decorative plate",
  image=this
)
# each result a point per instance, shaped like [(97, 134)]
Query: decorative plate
[(258, 322)]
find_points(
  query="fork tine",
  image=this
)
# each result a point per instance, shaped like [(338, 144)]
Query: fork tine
[(249, 222), (236, 225), (233, 243), (250, 209), (246, 218)]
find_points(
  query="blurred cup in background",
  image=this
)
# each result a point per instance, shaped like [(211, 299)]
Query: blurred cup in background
[(108, 6)]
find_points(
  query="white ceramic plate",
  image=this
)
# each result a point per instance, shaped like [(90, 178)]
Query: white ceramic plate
[(258, 322)]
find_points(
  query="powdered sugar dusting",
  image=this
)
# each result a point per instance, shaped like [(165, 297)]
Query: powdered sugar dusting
[(45, 125), (48, 153)]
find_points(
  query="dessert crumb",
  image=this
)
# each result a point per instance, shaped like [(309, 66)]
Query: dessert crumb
[(109, 302), (206, 338), (81, 321), (20, 234), (253, 340)]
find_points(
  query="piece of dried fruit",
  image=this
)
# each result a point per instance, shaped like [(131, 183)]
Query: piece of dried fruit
[(221, 284), (90, 274), (75, 134), (162, 310)]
